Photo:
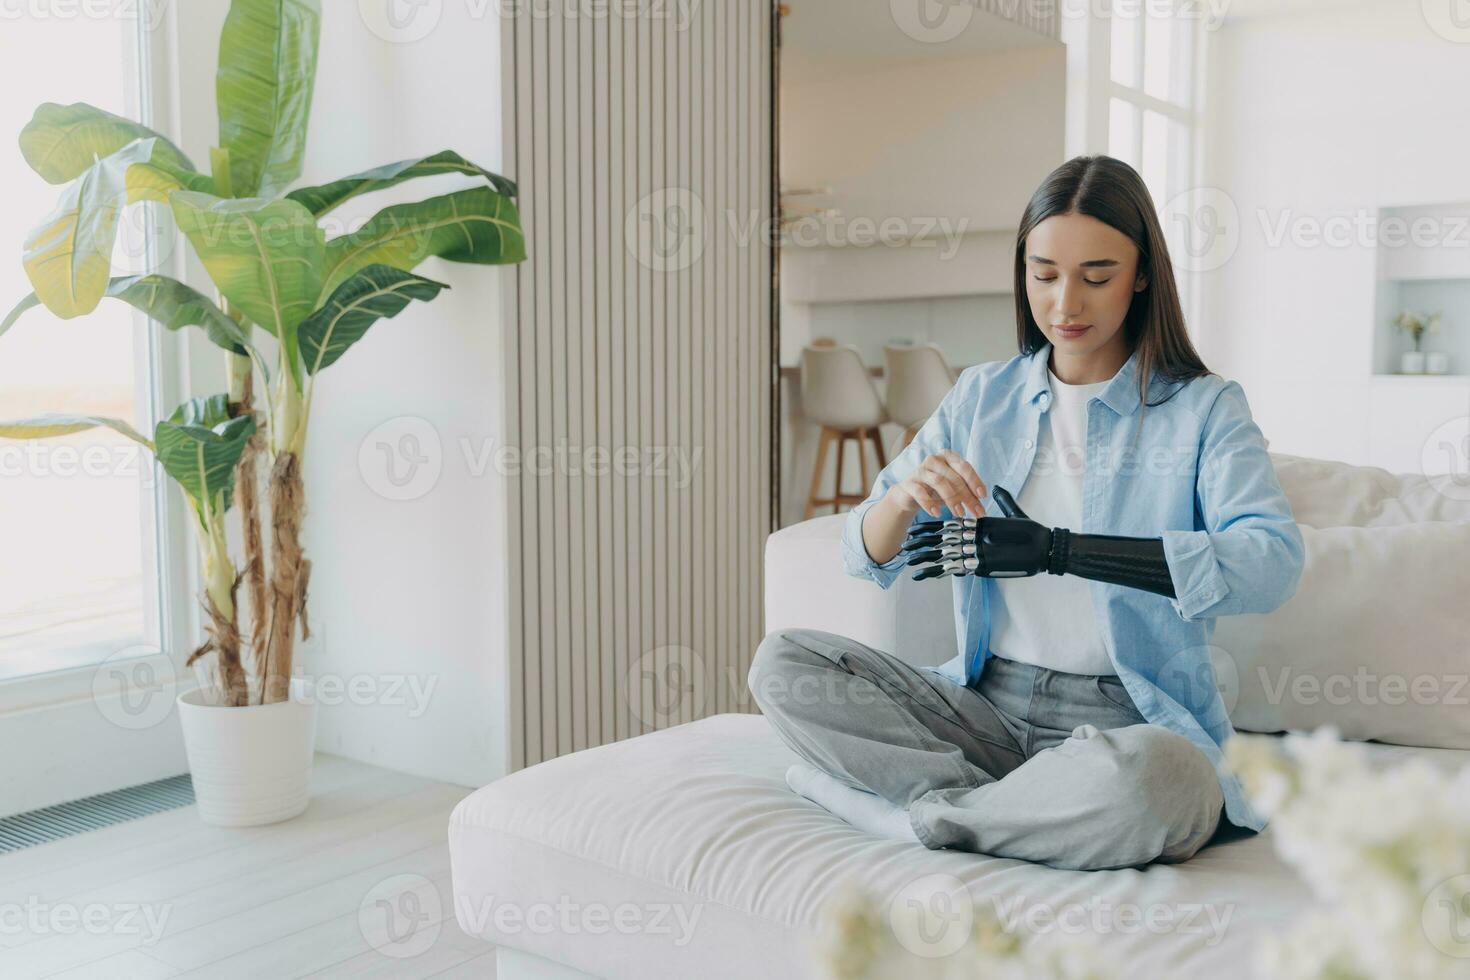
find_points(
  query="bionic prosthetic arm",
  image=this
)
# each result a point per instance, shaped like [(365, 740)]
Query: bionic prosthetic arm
[(1015, 546)]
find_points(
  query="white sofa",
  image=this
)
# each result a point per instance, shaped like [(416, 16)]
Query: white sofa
[(682, 853)]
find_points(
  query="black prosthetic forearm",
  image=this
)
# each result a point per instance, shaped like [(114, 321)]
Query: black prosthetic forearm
[(1137, 563), (1016, 546)]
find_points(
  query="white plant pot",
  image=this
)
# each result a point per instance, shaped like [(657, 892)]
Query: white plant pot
[(250, 765), (1437, 362), (1411, 362)]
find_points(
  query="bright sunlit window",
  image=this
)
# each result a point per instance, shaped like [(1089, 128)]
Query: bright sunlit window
[(1151, 105), (77, 517)]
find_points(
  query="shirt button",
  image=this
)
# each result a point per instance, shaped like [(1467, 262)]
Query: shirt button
[(1028, 443)]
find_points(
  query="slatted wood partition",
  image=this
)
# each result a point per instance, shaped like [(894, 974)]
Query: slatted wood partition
[(641, 325)]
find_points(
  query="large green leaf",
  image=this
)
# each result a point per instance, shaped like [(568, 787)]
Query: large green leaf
[(68, 257), (51, 425), (374, 293), (199, 445), (62, 141), (322, 199), (475, 225), (265, 256), (176, 306), (263, 88), (168, 301)]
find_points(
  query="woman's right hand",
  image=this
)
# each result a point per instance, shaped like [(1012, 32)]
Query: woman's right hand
[(943, 479)]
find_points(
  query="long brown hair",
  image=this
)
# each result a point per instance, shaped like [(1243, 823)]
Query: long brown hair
[(1111, 191)]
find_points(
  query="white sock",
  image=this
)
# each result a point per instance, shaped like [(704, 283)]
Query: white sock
[(864, 810)]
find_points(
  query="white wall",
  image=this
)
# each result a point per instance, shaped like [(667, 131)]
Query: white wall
[(412, 587), (1316, 116), (961, 138)]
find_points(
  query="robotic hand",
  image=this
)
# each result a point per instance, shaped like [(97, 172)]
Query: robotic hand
[(1015, 546)]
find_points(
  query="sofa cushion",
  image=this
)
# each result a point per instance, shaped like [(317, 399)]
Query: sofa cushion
[(1376, 640), (1328, 493)]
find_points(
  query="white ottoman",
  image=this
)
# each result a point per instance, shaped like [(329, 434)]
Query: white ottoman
[(682, 853)]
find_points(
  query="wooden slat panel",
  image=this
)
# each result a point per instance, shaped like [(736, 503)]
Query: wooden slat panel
[(628, 360)]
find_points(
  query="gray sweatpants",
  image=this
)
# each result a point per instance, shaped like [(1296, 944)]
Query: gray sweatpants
[(1032, 763)]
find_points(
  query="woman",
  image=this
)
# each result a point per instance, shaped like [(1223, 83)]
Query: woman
[(1080, 723)]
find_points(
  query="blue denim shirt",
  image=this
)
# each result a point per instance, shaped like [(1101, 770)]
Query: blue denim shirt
[(1198, 476)]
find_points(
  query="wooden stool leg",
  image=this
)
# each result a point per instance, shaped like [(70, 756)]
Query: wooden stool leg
[(822, 444), (908, 437), (837, 479), (867, 486), (878, 446)]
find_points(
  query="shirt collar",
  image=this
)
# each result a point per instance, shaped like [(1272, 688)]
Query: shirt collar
[(1121, 394)]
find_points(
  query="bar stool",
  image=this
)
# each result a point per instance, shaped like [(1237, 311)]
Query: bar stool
[(837, 393), (918, 379)]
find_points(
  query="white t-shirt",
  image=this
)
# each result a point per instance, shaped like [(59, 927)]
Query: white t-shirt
[(1046, 619)]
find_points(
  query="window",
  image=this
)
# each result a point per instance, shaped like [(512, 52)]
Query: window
[(78, 515), (1152, 111)]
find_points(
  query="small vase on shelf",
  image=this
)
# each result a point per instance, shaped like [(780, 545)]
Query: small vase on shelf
[(1411, 362), (1437, 362)]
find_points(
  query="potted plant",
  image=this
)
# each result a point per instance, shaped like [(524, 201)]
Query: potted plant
[(1417, 325), (249, 729)]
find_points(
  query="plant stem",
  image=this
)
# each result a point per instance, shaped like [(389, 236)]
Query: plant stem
[(247, 496), (220, 583), (287, 504), (247, 492)]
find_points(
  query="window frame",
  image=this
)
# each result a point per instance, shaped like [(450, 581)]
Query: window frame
[(1185, 172), (169, 566)]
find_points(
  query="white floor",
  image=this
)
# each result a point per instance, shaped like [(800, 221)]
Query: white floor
[(358, 886)]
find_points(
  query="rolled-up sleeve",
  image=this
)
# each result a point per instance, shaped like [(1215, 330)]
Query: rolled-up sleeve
[(1250, 556), (935, 434)]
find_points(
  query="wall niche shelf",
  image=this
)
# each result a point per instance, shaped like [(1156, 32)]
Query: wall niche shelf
[(1423, 265)]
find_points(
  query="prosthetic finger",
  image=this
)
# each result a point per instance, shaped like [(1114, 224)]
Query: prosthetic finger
[(1007, 503)]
